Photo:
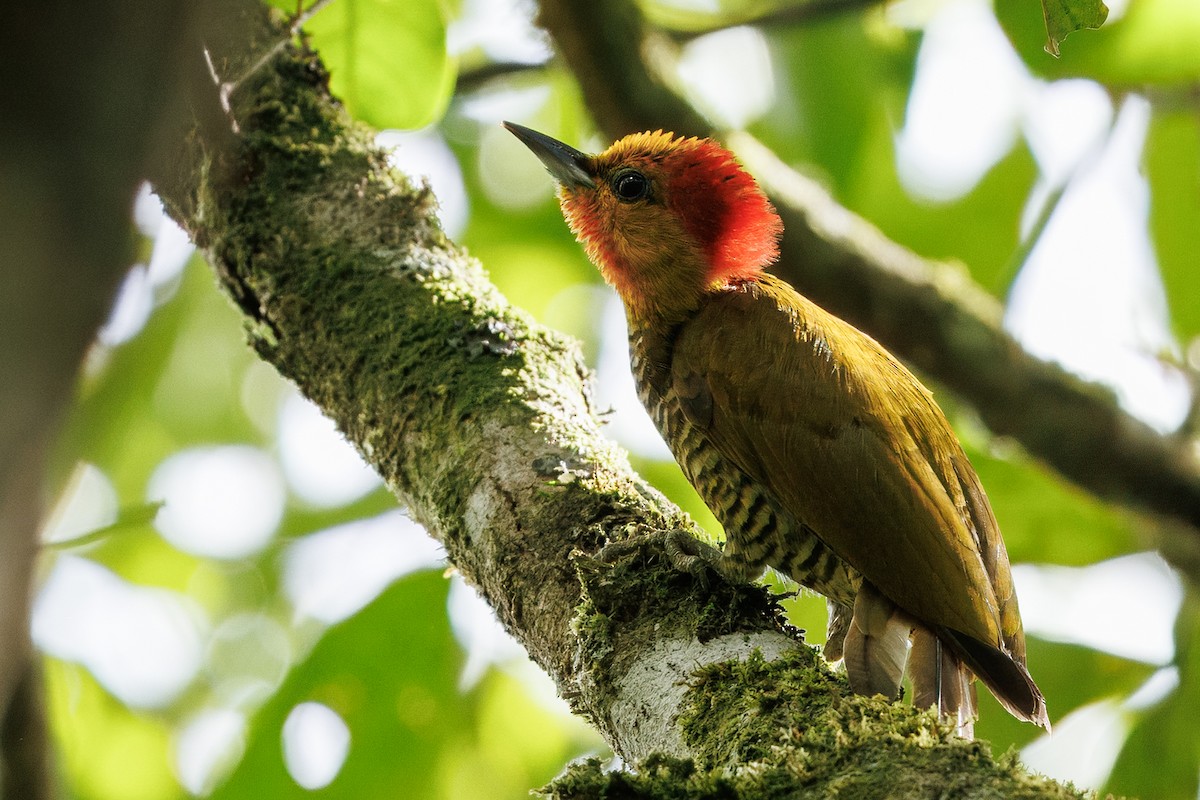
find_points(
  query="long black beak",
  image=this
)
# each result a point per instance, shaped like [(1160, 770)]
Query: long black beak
[(565, 163)]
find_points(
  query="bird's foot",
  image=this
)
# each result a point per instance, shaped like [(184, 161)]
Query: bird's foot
[(682, 550)]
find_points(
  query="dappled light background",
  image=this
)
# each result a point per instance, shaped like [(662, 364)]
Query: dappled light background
[(232, 605)]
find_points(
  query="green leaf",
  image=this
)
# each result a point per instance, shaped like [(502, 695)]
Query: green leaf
[(387, 59), (1153, 43), (1159, 757), (979, 229), (840, 83), (1064, 17)]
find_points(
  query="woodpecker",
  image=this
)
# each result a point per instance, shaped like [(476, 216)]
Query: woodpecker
[(822, 456)]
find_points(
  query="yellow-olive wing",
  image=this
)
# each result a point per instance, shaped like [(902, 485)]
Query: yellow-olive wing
[(855, 448)]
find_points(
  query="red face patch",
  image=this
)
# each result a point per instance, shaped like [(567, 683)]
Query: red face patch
[(721, 205)]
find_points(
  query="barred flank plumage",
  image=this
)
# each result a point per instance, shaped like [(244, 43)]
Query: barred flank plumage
[(759, 532)]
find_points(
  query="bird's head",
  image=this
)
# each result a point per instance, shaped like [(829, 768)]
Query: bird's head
[(666, 219)]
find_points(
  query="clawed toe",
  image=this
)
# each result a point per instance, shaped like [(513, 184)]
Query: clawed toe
[(683, 551)]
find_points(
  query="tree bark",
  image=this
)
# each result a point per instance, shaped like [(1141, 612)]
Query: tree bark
[(480, 421)]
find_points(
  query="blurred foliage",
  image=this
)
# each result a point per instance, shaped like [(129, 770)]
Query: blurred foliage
[(1159, 757), (387, 59), (392, 672), (96, 737), (1173, 166)]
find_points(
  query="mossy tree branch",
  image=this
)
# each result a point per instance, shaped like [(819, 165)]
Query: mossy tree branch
[(929, 313), (478, 419), (480, 422)]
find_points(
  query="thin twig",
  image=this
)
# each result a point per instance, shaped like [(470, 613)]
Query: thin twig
[(229, 87), (471, 80), (225, 89), (780, 17), (1084, 163)]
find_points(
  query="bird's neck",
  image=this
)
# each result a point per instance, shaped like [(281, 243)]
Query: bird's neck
[(660, 308), (655, 319), (658, 287), (654, 326)]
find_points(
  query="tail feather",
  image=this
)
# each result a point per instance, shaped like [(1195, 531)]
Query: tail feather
[(839, 624), (876, 645), (1005, 676), (941, 680), (873, 643)]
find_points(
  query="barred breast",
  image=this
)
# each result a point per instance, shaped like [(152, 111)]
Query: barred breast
[(759, 532)]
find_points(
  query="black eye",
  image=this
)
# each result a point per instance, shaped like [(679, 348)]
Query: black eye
[(630, 186)]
